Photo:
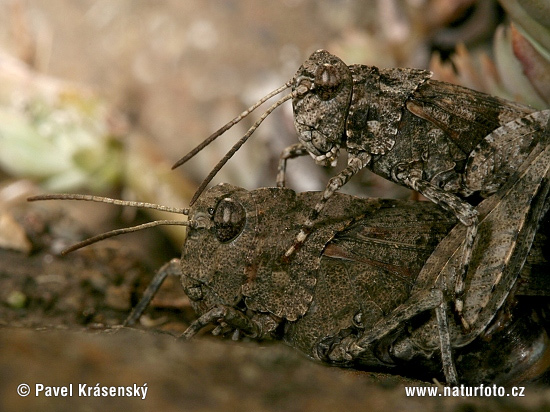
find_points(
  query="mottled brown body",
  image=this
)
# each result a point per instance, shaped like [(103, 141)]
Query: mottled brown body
[(508, 223), (363, 290), (248, 267), (369, 289), (362, 265), (404, 121)]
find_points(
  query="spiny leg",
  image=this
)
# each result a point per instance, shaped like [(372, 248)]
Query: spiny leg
[(471, 233), (355, 164), (291, 152), (349, 349), (418, 303), (445, 343), (467, 215), (172, 268), (415, 305)]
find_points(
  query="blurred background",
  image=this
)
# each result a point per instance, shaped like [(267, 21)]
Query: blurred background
[(103, 97)]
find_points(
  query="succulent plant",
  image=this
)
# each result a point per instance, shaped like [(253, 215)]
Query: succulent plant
[(520, 69)]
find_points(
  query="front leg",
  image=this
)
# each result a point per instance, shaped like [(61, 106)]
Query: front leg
[(355, 164), (463, 211), (172, 268), (291, 152), (230, 318)]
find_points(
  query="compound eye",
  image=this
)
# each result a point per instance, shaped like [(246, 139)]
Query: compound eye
[(229, 219), (327, 81)]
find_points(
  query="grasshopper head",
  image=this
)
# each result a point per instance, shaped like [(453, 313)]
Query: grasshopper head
[(214, 252), (233, 252), (323, 85)]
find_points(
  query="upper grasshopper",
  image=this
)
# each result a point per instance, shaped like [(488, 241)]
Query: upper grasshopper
[(447, 142)]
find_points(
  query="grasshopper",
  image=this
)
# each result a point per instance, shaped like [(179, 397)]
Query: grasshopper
[(362, 265), (368, 289), (286, 300), (447, 142)]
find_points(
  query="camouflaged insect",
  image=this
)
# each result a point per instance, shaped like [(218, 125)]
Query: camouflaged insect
[(360, 292), (445, 141), (370, 288), (238, 275)]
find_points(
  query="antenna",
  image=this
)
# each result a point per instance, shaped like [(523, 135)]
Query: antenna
[(101, 199), (116, 232), (237, 146), (230, 124), (122, 231)]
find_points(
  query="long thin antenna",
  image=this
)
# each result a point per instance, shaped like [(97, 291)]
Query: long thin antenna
[(229, 125), (116, 232), (131, 229), (238, 145), (100, 199)]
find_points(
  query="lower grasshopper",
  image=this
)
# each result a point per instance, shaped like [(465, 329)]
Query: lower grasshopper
[(360, 292), (356, 294)]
